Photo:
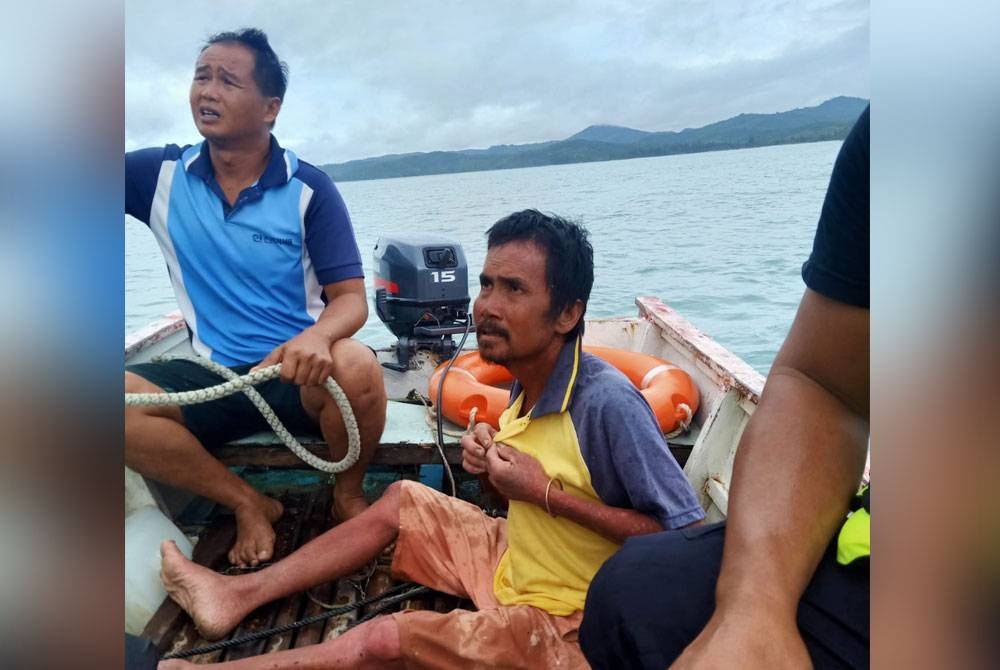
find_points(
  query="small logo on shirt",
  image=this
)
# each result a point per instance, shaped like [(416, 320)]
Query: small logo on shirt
[(267, 239)]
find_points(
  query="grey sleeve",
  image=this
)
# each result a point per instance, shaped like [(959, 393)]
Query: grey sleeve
[(629, 462)]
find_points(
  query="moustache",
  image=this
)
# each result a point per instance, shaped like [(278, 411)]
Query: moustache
[(490, 328)]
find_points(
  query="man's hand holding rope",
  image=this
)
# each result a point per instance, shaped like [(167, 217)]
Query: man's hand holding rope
[(305, 359), (474, 448)]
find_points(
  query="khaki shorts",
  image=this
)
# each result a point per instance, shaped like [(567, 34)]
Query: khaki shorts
[(452, 546)]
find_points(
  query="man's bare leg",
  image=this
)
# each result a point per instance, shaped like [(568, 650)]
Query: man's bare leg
[(159, 446), (360, 375), (374, 644), (218, 603)]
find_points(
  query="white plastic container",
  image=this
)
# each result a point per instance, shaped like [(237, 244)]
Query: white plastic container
[(145, 529)]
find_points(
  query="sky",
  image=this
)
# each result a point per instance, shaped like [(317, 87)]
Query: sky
[(375, 77)]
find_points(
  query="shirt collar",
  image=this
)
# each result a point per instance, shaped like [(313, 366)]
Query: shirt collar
[(559, 388), (281, 165)]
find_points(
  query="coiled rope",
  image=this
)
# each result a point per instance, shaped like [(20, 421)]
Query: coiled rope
[(683, 424), (246, 384)]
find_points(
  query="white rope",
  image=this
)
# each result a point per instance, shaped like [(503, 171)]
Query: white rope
[(431, 418), (472, 420), (684, 424), (245, 384)]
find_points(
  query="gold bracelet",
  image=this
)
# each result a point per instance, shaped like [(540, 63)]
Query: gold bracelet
[(547, 488)]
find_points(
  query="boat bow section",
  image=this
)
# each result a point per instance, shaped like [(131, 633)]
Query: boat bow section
[(730, 388)]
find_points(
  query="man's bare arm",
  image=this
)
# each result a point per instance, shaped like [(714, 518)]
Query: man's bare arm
[(615, 523), (798, 465), (518, 476)]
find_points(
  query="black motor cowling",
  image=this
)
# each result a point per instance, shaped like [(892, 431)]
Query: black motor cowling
[(421, 292)]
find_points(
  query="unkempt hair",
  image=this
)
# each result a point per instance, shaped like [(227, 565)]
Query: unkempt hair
[(569, 258), (270, 74)]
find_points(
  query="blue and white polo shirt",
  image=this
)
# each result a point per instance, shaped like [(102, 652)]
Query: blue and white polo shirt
[(248, 277)]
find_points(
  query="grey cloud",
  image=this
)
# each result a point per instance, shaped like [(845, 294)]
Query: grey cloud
[(393, 77)]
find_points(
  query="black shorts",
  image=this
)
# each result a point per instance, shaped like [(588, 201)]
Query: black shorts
[(220, 421), (652, 598)]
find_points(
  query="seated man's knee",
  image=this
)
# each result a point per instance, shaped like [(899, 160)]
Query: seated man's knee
[(392, 494), (385, 510), (136, 384), (358, 372), (381, 640), (356, 367)]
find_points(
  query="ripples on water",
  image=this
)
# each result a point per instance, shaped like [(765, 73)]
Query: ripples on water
[(719, 236)]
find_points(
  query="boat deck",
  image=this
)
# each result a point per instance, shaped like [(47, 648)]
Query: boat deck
[(306, 496), (729, 391), (306, 516)]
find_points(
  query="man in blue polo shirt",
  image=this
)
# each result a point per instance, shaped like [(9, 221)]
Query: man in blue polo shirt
[(264, 264)]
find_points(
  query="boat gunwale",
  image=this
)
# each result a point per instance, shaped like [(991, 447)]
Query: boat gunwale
[(150, 334), (730, 370)]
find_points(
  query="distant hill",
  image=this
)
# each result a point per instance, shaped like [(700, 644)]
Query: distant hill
[(613, 134), (829, 121)]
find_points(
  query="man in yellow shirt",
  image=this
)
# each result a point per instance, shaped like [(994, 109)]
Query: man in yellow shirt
[(579, 455)]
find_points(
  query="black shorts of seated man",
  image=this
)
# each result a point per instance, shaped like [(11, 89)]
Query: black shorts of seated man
[(579, 455), (265, 268)]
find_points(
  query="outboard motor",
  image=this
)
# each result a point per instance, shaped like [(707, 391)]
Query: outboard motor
[(421, 294)]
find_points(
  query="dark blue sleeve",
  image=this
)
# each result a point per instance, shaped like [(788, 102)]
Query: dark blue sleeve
[(329, 233), (839, 264), (629, 462), (142, 172)]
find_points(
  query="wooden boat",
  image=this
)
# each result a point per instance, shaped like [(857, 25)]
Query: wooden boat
[(729, 389)]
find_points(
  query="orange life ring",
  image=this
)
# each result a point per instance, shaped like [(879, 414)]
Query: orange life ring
[(474, 383)]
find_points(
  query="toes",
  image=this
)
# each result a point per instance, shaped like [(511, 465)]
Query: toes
[(168, 547), (259, 554), (245, 555)]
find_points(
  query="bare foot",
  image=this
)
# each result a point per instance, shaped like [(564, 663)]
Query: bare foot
[(255, 532), (200, 592), (347, 507)]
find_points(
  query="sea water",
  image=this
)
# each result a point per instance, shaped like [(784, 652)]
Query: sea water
[(720, 236)]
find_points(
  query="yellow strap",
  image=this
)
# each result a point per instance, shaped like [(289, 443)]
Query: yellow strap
[(854, 541)]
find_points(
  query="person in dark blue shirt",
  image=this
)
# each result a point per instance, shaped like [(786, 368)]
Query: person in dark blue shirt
[(265, 267), (768, 589)]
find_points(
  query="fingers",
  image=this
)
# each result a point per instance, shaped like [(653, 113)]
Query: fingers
[(484, 433), (473, 467), (504, 452), (475, 447), (493, 459), (308, 370), (473, 464), (315, 373), (270, 359), (473, 455), (289, 368)]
